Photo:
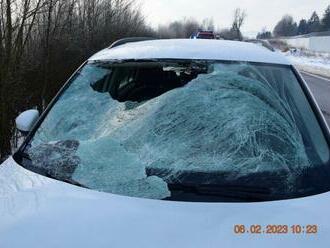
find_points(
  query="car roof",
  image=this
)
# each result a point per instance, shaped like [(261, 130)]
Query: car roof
[(197, 49)]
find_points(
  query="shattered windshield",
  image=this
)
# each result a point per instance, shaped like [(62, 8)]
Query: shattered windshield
[(184, 130)]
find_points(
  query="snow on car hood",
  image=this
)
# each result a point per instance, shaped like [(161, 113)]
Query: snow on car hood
[(174, 133), (40, 212)]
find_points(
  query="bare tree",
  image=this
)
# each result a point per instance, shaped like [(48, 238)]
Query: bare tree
[(182, 29), (42, 41), (239, 18), (12, 37)]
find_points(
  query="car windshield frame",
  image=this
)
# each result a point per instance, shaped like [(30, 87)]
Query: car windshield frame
[(23, 159)]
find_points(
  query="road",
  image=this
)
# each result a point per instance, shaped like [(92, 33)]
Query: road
[(320, 88)]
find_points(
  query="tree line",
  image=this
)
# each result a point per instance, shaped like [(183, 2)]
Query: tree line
[(43, 41), (188, 26), (288, 27)]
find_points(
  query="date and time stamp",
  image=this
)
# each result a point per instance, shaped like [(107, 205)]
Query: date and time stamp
[(275, 229)]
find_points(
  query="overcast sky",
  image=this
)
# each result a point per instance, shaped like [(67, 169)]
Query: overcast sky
[(260, 13)]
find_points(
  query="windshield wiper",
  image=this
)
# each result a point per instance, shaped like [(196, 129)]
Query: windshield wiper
[(245, 193), (73, 182), (27, 163), (66, 180)]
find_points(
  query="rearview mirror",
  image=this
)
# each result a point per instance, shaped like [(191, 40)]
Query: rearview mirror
[(26, 120)]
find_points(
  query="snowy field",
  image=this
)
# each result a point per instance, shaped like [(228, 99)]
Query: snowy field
[(312, 62)]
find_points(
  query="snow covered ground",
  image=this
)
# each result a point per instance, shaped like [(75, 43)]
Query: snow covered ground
[(312, 62)]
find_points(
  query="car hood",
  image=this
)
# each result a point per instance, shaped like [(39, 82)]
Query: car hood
[(36, 211)]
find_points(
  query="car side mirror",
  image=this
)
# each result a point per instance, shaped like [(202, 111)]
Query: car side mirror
[(26, 120)]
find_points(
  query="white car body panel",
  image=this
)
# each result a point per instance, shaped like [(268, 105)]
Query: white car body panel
[(192, 49), (36, 211)]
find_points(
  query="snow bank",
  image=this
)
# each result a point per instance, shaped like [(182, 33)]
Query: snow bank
[(221, 121), (312, 62)]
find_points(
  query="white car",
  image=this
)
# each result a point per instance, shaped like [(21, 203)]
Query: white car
[(172, 143)]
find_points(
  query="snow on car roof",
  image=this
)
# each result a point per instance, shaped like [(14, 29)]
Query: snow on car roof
[(192, 49)]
